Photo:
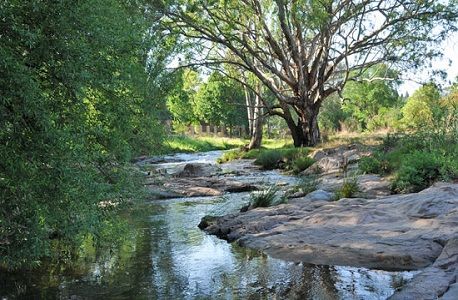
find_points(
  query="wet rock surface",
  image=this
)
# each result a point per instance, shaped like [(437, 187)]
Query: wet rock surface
[(398, 232), (192, 180)]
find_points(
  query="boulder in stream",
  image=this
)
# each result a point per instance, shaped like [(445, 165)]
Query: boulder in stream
[(199, 170)]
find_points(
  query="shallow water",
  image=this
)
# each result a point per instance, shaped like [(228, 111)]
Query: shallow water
[(172, 259)]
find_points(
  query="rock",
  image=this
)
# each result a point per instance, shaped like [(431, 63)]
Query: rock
[(398, 232), (452, 293), (206, 221), (198, 170), (155, 193), (434, 281), (318, 154), (295, 195), (371, 186), (334, 160), (318, 195), (205, 186)]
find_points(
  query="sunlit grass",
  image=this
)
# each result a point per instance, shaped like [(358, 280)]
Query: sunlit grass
[(175, 144), (345, 138)]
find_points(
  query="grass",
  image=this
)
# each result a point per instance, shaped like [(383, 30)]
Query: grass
[(308, 184), (180, 143), (349, 188), (301, 163), (346, 138), (286, 157), (266, 198)]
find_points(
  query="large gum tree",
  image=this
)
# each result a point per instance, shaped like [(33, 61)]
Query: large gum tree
[(303, 51)]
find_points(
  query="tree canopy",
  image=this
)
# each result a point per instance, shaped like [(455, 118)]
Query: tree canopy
[(76, 105), (304, 51)]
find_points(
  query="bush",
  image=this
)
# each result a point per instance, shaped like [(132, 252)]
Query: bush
[(370, 165), (417, 171), (266, 198)]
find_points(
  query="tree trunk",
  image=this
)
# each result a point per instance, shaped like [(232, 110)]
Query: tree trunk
[(306, 132), (258, 121), (250, 111)]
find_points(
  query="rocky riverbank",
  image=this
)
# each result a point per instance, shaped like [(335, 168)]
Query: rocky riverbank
[(380, 231)]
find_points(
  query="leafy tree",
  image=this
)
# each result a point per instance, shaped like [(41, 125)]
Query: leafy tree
[(180, 102), (331, 114), (76, 105), (220, 101), (449, 104), (422, 108), (304, 51), (374, 94)]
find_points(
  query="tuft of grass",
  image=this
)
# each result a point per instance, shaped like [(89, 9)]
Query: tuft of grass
[(268, 159), (266, 198), (301, 163), (308, 184), (349, 189)]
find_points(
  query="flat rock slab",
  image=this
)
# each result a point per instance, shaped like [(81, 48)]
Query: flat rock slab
[(399, 232), (370, 185), (205, 186), (438, 280)]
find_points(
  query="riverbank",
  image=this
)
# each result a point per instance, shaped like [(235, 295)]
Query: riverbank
[(372, 229)]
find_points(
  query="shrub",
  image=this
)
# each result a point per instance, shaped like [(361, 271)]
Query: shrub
[(266, 198), (302, 163), (370, 164), (417, 171)]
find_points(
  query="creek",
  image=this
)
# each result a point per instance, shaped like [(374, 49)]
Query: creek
[(171, 258)]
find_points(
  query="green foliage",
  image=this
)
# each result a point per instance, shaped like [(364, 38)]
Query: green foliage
[(416, 160), (183, 143), (220, 101), (266, 198), (422, 108), (331, 114), (418, 171), (294, 159), (301, 163), (368, 101), (180, 102), (379, 163), (231, 155), (269, 159), (349, 189), (76, 105)]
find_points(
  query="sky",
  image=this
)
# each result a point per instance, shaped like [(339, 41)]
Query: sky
[(450, 48)]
